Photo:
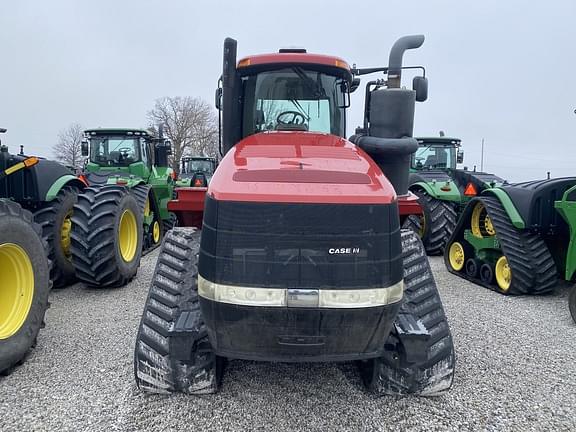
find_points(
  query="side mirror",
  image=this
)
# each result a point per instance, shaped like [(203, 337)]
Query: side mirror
[(355, 84), (84, 147), (218, 98), (420, 86), (345, 89), (460, 157)]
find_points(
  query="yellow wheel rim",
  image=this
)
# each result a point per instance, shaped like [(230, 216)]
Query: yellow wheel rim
[(16, 288), (503, 274), (456, 256), (481, 224), (65, 234), (147, 207), (128, 236), (156, 232), (488, 226)]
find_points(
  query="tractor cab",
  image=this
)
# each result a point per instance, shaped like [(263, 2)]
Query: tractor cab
[(196, 171), (291, 90), (131, 152), (437, 153)]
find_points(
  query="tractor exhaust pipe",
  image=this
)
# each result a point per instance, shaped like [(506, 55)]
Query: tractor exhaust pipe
[(229, 104), (396, 55)]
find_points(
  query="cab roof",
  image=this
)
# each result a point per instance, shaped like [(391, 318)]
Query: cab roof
[(447, 141), (289, 57), (118, 131)]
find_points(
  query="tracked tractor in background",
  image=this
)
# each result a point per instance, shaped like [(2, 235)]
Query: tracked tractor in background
[(123, 212), (443, 189), (24, 265), (300, 256), (196, 171), (518, 239)]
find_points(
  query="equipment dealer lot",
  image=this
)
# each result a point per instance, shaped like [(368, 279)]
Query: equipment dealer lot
[(516, 370)]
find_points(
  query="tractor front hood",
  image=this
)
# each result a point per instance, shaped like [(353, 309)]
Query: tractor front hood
[(299, 167)]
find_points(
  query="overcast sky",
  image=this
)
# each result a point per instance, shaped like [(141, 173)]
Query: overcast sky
[(498, 70)]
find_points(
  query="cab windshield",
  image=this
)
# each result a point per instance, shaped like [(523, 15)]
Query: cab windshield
[(434, 157), (194, 166), (293, 98), (114, 151)]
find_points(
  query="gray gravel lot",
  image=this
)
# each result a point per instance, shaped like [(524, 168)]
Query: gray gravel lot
[(516, 371)]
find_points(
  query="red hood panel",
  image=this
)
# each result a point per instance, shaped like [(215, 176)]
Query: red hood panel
[(299, 167)]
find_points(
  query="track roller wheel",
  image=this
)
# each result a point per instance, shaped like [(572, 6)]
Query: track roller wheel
[(106, 236), (472, 267), (436, 224), (503, 274), (432, 376), (486, 274), (456, 256), (172, 350), (24, 283), (55, 219)]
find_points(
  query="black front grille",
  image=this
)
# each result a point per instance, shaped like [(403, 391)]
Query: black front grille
[(300, 245)]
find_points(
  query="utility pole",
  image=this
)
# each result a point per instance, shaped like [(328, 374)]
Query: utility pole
[(482, 157)]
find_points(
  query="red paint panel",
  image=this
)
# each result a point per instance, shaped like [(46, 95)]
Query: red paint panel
[(188, 206), (239, 176), (301, 176), (408, 205)]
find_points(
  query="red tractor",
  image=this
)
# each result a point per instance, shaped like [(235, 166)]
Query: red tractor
[(300, 256)]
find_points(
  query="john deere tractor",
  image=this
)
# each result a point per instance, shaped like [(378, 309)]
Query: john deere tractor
[(442, 188), (518, 239), (123, 211), (36, 200), (196, 171)]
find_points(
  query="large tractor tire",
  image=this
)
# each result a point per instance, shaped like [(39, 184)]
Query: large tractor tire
[(168, 358), (572, 303), (106, 236), (437, 223), (392, 374), (55, 219), (24, 283)]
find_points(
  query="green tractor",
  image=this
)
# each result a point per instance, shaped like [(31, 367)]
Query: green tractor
[(196, 171), (36, 201), (518, 239), (443, 189), (123, 213)]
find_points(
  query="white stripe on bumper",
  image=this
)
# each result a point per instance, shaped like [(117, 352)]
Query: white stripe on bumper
[(282, 297)]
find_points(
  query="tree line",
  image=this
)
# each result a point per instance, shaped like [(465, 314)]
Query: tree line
[(189, 122)]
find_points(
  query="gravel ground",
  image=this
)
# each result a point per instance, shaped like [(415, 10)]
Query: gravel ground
[(516, 371)]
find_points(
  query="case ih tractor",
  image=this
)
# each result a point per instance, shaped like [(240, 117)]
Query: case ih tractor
[(196, 171), (443, 189), (518, 239), (300, 256), (123, 211)]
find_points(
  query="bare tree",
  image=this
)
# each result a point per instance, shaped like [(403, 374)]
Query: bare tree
[(68, 149), (190, 123)]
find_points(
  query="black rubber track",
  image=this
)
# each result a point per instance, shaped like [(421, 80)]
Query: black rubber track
[(94, 250), (440, 220), (173, 292), (572, 303), (533, 268), (17, 226), (50, 218), (390, 374)]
